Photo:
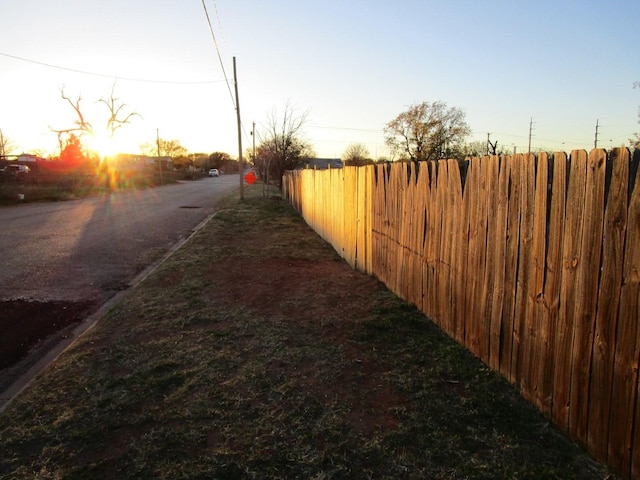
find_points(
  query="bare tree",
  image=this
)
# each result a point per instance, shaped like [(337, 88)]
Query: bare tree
[(6, 147), (481, 148), (356, 154), (427, 131), (281, 145), (634, 142), (166, 148), (81, 126), (492, 148), (117, 115)]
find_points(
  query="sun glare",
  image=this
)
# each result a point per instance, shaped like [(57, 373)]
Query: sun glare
[(103, 145)]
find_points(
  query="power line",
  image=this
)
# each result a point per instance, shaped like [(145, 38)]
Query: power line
[(215, 42), (215, 7), (104, 75), (315, 125)]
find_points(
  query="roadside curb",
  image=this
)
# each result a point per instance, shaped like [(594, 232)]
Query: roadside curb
[(25, 379)]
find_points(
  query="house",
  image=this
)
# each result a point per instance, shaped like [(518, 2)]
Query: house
[(26, 159), (320, 163)]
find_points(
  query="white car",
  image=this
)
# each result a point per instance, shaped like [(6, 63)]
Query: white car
[(214, 172)]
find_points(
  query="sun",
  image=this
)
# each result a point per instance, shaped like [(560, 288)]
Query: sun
[(103, 145)]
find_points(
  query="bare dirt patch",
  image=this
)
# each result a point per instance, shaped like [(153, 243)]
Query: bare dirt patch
[(25, 324)]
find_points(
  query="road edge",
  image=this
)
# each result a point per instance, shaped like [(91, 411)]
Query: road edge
[(25, 379)]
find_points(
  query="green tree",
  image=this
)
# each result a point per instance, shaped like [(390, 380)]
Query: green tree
[(74, 156), (223, 162), (428, 131)]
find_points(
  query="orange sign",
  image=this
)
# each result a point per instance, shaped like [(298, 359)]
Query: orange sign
[(250, 178)]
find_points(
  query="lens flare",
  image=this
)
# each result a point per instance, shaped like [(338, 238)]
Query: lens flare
[(103, 145)]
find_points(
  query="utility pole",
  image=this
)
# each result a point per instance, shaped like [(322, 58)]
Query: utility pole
[(530, 134), (253, 137), (158, 147), (2, 145), (240, 163), (595, 140)]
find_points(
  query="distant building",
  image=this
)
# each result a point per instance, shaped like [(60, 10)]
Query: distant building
[(320, 163), (27, 159)]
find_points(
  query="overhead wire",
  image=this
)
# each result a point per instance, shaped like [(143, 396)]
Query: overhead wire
[(104, 75), (215, 42), (215, 7), (329, 127)]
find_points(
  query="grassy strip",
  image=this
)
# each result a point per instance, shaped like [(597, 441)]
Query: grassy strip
[(255, 352)]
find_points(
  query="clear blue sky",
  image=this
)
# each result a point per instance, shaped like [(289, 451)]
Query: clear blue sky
[(353, 65)]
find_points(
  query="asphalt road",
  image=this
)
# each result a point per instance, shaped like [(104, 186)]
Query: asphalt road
[(90, 249)]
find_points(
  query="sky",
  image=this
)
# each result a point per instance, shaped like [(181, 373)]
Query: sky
[(552, 68)]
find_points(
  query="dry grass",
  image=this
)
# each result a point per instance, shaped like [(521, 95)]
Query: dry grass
[(255, 352)]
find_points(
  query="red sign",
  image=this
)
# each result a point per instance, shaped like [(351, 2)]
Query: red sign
[(250, 178)]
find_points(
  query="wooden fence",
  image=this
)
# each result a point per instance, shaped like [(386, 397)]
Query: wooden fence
[(531, 262)]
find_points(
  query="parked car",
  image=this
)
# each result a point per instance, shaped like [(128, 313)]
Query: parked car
[(17, 169), (12, 173), (214, 172)]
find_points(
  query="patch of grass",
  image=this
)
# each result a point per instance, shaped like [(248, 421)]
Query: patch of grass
[(254, 353)]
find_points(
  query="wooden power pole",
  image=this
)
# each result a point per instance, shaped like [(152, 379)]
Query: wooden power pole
[(240, 162)]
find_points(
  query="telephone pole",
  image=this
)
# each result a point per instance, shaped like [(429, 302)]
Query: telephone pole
[(253, 137), (159, 160), (240, 163), (530, 134)]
